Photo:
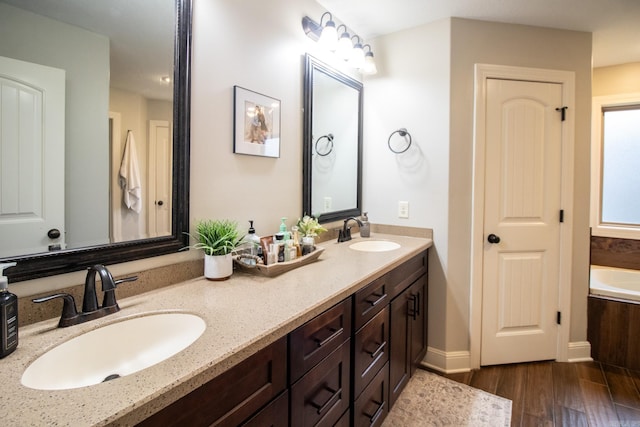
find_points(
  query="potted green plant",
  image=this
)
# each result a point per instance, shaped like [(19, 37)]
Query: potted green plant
[(218, 239), (309, 228)]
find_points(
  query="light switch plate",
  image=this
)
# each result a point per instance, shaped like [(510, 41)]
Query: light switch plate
[(327, 204), (403, 209)]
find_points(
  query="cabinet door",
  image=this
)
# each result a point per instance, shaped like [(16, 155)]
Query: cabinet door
[(418, 313), (322, 395), (372, 407), (369, 300), (314, 340), (371, 350), (399, 330)]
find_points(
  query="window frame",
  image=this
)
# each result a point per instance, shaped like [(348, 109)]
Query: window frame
[(599, 228)]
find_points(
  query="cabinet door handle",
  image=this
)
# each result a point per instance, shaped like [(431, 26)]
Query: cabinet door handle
[(378, 350), (373, 418), (418, 304), (378, 300), (412, 310), (335, 333), (330, 402)]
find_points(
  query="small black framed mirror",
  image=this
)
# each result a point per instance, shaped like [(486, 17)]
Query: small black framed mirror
[(332, 151)]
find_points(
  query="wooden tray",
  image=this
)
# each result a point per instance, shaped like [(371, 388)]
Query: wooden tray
[(280, 267)]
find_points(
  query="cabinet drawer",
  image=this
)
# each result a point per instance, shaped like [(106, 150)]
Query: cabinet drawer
[(369, 300), (314, 340), (372, 407), (275, 414), (233, 396), (371, 350), (322, 395), (405, 274)]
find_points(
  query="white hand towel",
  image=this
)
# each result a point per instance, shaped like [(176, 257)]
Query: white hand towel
[(130, 175)]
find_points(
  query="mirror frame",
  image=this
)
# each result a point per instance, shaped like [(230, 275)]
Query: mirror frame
[(312, 65), (52, 263)]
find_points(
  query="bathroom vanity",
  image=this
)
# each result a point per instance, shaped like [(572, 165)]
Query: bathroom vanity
[(333, 342)]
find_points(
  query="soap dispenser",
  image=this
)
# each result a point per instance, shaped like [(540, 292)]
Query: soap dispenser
[(254, 240), (365, 228), (8, 315)]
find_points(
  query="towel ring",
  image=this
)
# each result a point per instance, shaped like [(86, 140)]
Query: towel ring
[(329, 138), (403, 133)]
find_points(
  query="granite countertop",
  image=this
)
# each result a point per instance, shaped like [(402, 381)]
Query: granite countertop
[(243, 315)]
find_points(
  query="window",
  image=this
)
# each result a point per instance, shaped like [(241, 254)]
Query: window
[(615, 198)]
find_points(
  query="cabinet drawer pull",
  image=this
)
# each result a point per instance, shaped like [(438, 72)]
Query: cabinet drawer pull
[(330, 402), (378, 350), (373, 418), (378, 300), (335, 333)]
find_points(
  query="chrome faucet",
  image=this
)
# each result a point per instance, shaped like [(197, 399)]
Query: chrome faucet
[(90, 308), (344, 235)]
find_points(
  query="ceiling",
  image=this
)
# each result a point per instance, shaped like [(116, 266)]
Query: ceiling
[(615, 24)]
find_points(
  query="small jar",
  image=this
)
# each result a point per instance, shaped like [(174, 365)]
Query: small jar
[(308, 245)]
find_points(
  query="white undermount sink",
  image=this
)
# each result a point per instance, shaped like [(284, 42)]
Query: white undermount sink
[(113, 351), (374, 246)]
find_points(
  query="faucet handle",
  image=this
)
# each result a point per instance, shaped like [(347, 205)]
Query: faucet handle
[(69, 310), (109, 299)]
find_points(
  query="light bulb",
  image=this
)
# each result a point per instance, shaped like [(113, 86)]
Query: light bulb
[(369, 64), (356, 60), (329, 36), (344, 46)]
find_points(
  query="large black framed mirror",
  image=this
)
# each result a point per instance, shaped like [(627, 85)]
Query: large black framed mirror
[(177, 36), (332, 151)]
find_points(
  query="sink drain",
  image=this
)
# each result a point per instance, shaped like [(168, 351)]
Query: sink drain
[(110, 377)]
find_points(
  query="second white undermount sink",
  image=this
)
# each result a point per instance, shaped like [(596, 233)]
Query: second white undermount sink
[(374, 246), (113, 351)]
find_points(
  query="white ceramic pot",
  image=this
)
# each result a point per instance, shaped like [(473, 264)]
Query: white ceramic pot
[(218, 267)]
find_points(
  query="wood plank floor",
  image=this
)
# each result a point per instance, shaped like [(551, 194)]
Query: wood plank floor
[(562, 394)]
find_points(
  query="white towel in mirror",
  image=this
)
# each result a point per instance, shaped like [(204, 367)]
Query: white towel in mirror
[(130, 176)]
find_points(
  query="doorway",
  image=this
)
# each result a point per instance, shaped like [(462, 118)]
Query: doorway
[(521, 252)]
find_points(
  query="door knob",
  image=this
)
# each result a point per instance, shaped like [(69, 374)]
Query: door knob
[(54, 233), (492, 238), (160, 203)]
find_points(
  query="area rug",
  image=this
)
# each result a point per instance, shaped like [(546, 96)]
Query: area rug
[(432, 400)]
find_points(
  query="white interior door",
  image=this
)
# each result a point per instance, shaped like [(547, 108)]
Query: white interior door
[(160, 165), (523, 168), (32, 103)]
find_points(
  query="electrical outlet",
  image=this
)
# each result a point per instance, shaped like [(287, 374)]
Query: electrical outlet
[(403, 209), (327, 204)]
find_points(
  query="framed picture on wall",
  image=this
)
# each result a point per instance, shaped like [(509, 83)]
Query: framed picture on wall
[(256, 123)]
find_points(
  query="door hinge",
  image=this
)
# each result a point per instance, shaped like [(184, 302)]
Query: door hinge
[(562, 112), (561, 215), (559, 318)]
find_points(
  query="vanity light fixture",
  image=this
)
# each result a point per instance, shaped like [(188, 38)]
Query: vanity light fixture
[(339, 41)]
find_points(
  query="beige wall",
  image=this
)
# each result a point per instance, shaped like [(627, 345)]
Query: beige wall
[(616, 79)]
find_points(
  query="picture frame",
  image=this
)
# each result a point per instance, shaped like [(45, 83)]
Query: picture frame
[(256, 123)]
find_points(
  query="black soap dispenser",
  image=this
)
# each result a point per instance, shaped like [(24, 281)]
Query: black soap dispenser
[(8, 315)]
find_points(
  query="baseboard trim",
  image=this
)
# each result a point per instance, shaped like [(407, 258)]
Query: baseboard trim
[(579, 351), (450, 362)]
